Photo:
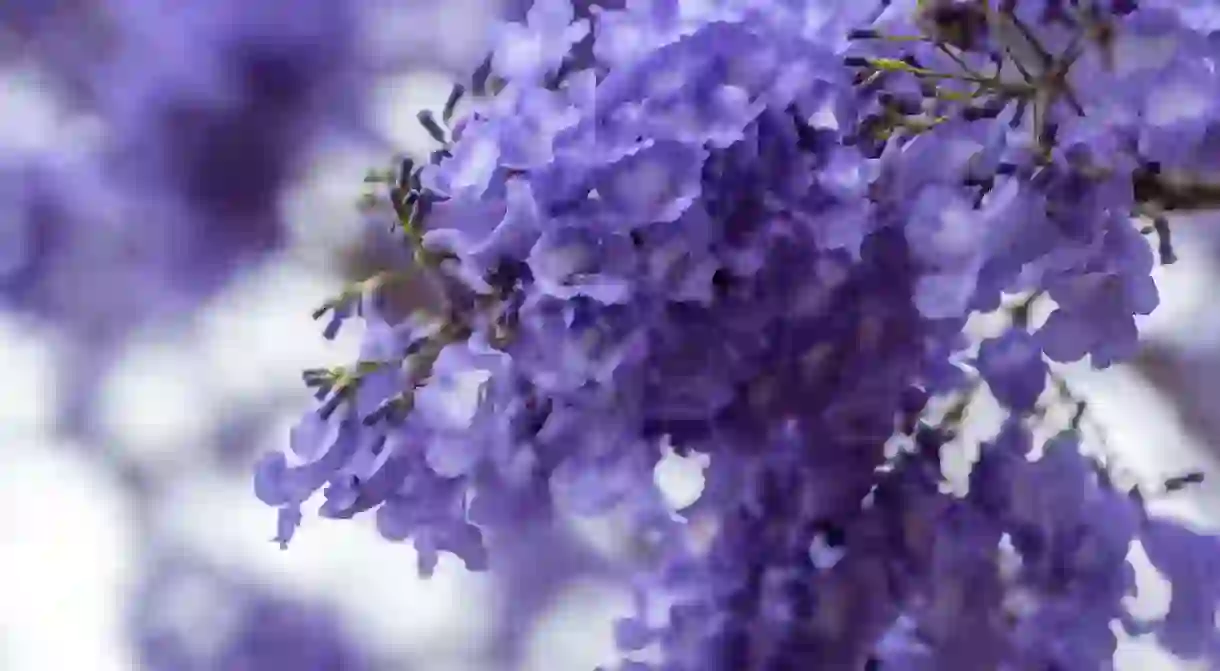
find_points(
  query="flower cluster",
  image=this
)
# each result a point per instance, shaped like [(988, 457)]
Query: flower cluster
[(756, 230)]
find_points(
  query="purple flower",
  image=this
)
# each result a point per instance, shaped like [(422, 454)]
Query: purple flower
[(1014, 370), (1188, 560), (1098, 301), (527, 52)]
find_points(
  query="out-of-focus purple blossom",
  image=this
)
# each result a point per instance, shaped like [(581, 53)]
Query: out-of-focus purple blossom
[(191, 617), (207, 114), (58, 38), (73, 257), (1188, 560), (529, 582), (214, 107)]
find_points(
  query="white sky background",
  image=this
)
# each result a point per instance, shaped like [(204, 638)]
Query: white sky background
[(67, 532)]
